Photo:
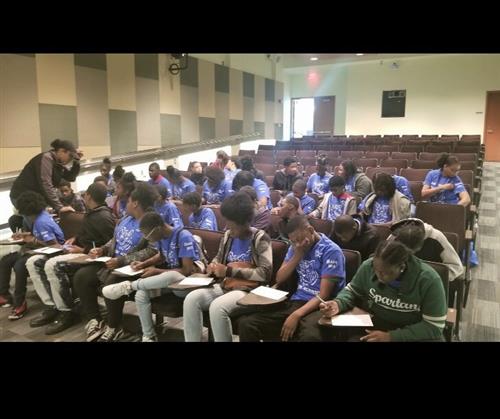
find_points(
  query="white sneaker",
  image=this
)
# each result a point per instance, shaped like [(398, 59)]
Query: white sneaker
[(94, 329), (149, 339), (115, 291)]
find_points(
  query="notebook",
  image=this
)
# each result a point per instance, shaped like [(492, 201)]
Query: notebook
[(127, 271), (47, 250)]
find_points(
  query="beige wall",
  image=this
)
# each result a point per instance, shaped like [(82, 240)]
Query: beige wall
[(446, 94)]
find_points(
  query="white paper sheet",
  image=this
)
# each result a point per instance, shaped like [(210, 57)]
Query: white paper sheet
[(47, 250), (353, 320), (196, 280), (271, 293), (127, 270), (101, 259)]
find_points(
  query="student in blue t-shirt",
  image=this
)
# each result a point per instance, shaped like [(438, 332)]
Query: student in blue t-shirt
[(443, 186), (320, 266), (386, 204), (318, 182), (307, 203), (199, 217), (179, 184), (157, 179), (127, 245), (335, 203), (243, 262), (245, 178), (167, 209), (216, 188), (178, 257), (45, 232)]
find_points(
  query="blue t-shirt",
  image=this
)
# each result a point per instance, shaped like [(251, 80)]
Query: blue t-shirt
[(180, 244), (307, 203), (179, 190), (262, 190), (46, 229), (381, 211), (122, 209), (349, 184), (230, 174), (241, 251), (205, 219), (435, 178), (218, 194), (160, 180), (319, 185), (170, 214), (127, 235), (403, 186), (324, 260), (336, 206)]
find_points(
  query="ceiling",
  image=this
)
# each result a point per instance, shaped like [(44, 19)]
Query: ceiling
[(304, 60)]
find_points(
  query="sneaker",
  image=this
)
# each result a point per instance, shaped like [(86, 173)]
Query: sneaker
[(115, 291), (5, 301), (65, 320), (48, 316), (18, 312), (149, 339), (111, 334), (94, 329)]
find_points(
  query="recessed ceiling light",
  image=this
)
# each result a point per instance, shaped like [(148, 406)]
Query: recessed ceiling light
[(314, 58), (360, 54)]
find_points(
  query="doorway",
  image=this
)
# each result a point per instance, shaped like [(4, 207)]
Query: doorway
[(492, 126)]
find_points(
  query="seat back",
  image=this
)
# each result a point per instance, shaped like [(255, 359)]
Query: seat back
[(352, 263), (211, 241), (372, 171), (414, 174), (322, 226), (280, 248), (400, 155), (221, 221), (423, 164), (366, 163), (467, 177), (397, 163), (379, 155), (425, 155), (443, 272), (453, 239), (444, 217), (416, 190)]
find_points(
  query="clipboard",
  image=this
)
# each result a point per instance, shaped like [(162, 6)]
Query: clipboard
[(181, 287), (9, 242), (252, 299)]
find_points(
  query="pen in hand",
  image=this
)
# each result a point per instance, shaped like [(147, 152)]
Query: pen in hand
[(320, 299)]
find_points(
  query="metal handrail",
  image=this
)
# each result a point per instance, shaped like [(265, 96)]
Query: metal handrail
[(6, 179)]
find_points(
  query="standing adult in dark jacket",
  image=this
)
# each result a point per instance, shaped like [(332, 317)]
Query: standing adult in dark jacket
[(43, 173), (285, 178), (353, 233)]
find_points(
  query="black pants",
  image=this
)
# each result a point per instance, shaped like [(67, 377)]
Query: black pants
[(267, 325), (17, 262), (88, 286)]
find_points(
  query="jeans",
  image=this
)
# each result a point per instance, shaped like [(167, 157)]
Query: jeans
[(58, 293), (143, 296), (17, 262), (220, 306)]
